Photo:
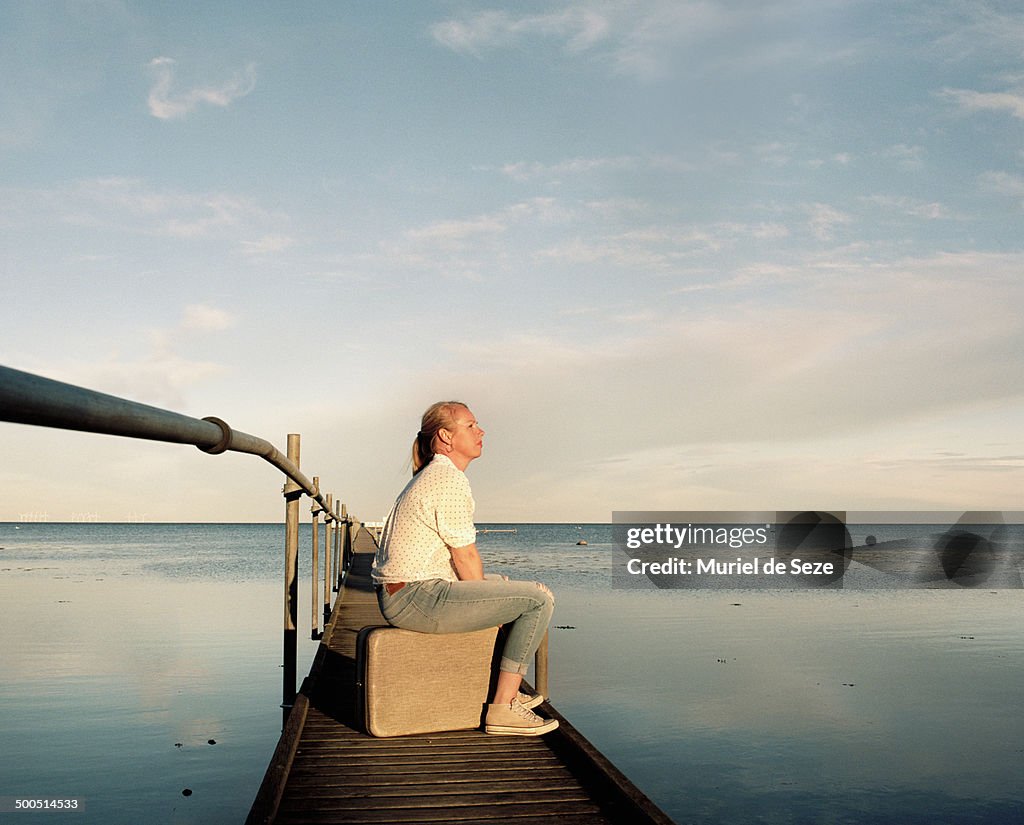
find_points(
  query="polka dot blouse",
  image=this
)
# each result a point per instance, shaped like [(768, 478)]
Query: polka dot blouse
[(432, 514)]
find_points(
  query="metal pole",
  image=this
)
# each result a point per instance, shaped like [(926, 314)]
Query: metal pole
[(337, 557), (346, 541), (42, 402), (540, 667), (314, 590), (292, 494), (328, 539)]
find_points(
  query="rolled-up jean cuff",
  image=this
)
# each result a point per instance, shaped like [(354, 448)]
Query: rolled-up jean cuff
[(512, 666)]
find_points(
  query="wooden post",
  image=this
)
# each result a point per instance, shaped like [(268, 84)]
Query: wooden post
[(328, 538), (540, 667), (292, 494), (314, 590)]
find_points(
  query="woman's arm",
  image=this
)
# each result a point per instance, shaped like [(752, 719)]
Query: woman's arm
[(467, 562)]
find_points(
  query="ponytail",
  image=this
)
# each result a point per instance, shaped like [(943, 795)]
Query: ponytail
[(438, 416)]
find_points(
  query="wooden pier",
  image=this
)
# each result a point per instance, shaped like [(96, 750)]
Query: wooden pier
[(325, 770)]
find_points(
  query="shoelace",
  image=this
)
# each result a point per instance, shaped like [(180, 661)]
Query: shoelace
[(520, 710)]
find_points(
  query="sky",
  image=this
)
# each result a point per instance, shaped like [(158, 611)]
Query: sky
[(674, 255)]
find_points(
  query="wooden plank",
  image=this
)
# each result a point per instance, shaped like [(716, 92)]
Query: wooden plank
[(485, 812), (400, 801), (580, 818), (268, 798), (385, 773), (397, 747), (550, 778)]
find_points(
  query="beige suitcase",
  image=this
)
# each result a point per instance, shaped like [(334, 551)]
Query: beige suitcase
[(408, 682)]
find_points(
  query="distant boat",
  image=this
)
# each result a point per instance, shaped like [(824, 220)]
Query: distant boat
[(498, 530)]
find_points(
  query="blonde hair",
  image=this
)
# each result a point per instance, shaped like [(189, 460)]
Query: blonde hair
[(439, 416)]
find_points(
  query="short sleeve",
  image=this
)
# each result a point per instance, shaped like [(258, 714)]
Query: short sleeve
[(455, 513)]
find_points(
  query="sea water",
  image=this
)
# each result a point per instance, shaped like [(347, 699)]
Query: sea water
[(141, 676)]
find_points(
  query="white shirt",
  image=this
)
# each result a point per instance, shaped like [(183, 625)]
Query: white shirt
[(432, 514)]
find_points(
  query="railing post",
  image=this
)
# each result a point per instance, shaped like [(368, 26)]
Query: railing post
[(337, 557), (328, 543), (540, 667), (292, 494), (346, 540), (314, 590)]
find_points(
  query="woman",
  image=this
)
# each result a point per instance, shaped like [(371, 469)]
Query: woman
[(429, 575)]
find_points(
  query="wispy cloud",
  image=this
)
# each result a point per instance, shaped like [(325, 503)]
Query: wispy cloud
[(467, 247), (907, 156), (531, 170), (123, 204), (446, 233), (1003, 183), (205, 318), (154, 371), (166, 103), (823, 220), (577, 27), (635, 35), (657, 249), (914, 207), (1010, 102), (639, 38), (267, 245), (524, 171)]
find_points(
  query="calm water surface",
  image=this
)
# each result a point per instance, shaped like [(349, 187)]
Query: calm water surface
[(127, 649)]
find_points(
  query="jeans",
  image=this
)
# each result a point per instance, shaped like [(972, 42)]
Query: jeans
[(439, 606)]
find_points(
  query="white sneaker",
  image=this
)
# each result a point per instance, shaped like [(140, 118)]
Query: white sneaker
[(529, 702), (515, 720)]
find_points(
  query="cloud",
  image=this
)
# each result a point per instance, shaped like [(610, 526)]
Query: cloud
[(638, 37), (167, 105), (268, 245), (657, 248), (446, 233), (530, 170), (204, 318), (644, 39), (1003, 183), (579, 28), (123, 204), (929, 210), (1011, 102), (823, 220), (909, 157), (153, 371), (160, 377), (467, 247), (524, 171), (654, 37)]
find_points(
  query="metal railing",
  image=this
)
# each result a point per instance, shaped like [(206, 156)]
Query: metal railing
[(31, 399)]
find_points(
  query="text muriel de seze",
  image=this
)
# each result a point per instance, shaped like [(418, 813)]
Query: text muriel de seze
[(713, 567)]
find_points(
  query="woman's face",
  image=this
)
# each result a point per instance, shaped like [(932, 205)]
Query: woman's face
[(467, 438)]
